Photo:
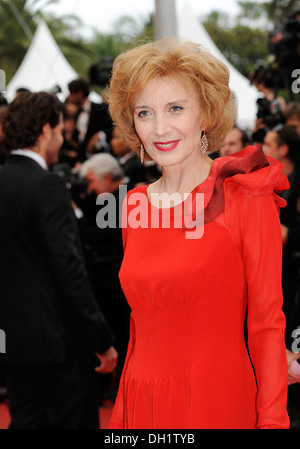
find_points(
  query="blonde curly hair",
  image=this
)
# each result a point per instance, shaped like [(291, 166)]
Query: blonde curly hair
[(186, 62)]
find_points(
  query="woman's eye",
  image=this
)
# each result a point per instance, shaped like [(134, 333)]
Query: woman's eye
[(176, 108), (143, 114)]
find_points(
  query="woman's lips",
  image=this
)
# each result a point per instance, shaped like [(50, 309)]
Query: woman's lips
[(166, 146)]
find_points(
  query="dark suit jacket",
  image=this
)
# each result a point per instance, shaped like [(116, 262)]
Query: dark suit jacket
[(46, 304), (134, 169)]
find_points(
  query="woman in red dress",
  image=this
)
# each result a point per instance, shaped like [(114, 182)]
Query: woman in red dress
[(198, 267)]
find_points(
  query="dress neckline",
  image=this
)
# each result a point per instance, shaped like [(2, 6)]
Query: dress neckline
[(203, 187), (246, 163)]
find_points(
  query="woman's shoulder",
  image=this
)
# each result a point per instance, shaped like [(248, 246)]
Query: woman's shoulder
[(251, 172), (237, 178)]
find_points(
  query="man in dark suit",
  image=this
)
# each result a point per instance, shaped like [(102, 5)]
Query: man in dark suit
[(92, 118), (128, 160), (52, 322)]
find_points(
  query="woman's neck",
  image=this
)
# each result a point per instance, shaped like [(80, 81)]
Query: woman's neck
[(185, 178)]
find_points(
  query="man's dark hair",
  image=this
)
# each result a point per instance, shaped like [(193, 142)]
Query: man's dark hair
[(244, 136), (292, 110), (287, 135), (25, 117), (3, 101), (22, 90), (79, 85)]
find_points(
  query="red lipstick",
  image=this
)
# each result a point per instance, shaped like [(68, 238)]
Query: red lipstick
[(166, 146)]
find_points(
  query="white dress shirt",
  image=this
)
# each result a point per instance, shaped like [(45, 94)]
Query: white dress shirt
[(33, 155), (83, 120)]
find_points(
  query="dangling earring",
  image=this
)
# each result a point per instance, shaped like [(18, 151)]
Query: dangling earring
[(203, 143), (142, 153)]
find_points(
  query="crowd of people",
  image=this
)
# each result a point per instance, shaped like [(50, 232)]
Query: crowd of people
[(54, 252)]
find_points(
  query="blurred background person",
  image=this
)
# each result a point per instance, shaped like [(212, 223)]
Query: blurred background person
[(92, 118), (3, 157), (21, 90), (235, 140), (128, 160), (284, 145), (69, 151), (270, 107), (104, 250), (292, 116), (3, 104)]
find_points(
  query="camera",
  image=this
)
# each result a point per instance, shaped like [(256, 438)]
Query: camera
[(76, 185), (270, 112), (100, 73)]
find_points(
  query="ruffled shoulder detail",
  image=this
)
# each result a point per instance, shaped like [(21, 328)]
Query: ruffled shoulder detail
[(264, 179), (250, 168)]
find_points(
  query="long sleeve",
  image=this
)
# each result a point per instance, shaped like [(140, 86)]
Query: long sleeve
[(262, 256)]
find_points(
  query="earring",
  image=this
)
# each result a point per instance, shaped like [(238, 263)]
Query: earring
[(142, 153), (203, 143)]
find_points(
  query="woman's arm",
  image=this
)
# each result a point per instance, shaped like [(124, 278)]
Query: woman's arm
[(262, 255)]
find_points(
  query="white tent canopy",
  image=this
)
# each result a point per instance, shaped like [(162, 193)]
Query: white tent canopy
[(43, 67), (246, 95)]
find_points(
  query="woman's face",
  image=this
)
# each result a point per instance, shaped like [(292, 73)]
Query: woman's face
[(167, 119)]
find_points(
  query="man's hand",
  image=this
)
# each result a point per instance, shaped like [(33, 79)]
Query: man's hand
[(292, 377), (108, 361)]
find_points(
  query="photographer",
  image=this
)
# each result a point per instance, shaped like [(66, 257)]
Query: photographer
[(284, 146), (284, 47), (270, 108), (91, 119)]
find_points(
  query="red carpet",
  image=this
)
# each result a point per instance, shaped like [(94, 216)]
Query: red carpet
[(4, 415), (104, 413)]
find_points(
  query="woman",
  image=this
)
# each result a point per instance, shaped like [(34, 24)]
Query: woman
[(187, 365)]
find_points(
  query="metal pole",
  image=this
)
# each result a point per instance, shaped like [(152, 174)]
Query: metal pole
[(20, 19), (165, 19)]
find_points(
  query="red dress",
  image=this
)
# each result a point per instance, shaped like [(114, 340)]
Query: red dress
[(187, 365)]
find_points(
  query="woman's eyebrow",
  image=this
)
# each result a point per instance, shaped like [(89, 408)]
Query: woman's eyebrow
[(170, 103)]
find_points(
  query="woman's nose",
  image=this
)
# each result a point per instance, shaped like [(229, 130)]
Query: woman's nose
[(162, 125)]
